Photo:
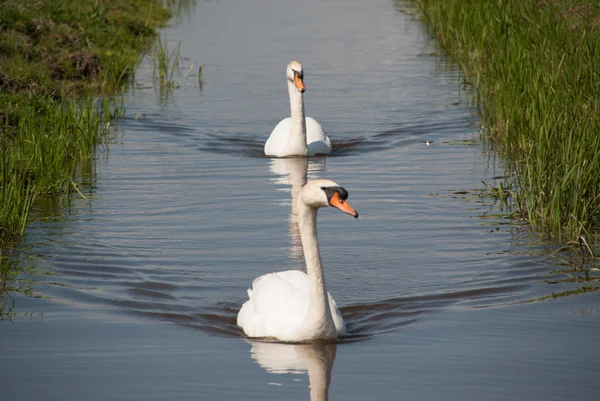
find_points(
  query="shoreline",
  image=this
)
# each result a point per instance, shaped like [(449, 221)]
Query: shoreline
[(61, 64), (533, 64)]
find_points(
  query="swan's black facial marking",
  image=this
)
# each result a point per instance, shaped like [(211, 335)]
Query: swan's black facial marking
[(299, 74), (330, 191), (336, 197)]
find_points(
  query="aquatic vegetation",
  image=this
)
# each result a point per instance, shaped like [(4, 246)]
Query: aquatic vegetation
[(165, 63), (578, 263), (201, 76), (7, 302), (534, 65)]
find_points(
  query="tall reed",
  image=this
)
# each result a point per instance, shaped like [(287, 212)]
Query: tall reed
[(165, 63), (535, 66), (44, 153)]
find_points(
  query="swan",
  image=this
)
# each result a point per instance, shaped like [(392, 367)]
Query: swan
[(297, 135), (293, 306)]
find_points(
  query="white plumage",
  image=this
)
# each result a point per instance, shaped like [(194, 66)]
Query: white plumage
[(297, 135), (277, 306), (294, 306)]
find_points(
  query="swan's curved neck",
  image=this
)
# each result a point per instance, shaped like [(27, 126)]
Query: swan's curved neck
[(318, 318), (297, 139)]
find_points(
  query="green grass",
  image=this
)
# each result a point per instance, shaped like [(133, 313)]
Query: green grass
[(165, 63), (535, 65), (56, 58), (49, 146), (62, 47)]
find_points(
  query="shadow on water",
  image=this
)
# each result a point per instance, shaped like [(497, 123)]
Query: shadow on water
[(364, 320), (243, 144), (389, 315), (153, 300), (252, 144)]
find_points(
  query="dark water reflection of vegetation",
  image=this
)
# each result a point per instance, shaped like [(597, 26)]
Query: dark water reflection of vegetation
[(20, 269)]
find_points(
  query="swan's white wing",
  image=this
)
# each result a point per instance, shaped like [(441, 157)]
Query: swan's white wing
[(338, 320), (318, 142), (278, 139), (277, 306)]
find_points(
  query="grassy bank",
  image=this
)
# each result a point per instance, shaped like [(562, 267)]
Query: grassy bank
[(535, 65), (56, 57)]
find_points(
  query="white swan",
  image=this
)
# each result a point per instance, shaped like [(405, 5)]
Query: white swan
[(297, 135), (293, 306)]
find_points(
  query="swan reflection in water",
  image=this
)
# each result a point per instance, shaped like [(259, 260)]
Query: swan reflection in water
[(316, 359), (294, 172)]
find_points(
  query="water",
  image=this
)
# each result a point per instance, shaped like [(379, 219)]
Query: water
[(134, 291)]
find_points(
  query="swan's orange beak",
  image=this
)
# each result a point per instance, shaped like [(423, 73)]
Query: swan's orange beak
[(341, 204), (299, 83)]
